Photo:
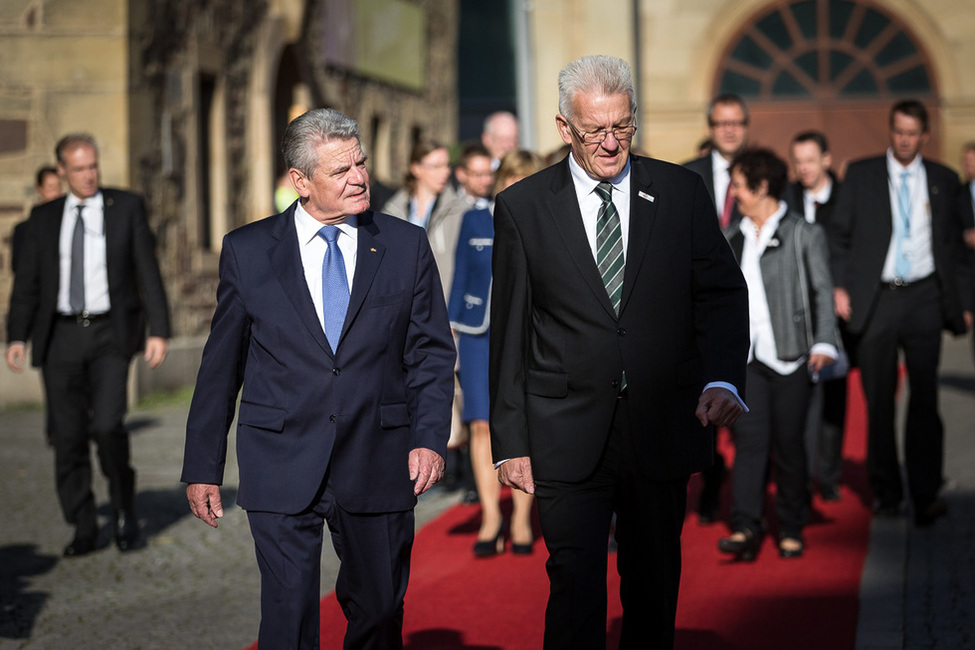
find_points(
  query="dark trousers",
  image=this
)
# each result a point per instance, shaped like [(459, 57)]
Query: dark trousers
[(85, 378), (575, 520), (825, 419), (374, 551), (774, 425), (906, 319)]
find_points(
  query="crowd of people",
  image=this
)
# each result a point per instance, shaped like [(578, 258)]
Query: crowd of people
[(554, 342)]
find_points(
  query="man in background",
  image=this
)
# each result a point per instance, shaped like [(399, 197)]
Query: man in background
[(475, 175), (901, 275), (85, 288), (813, 195), (500, 135)]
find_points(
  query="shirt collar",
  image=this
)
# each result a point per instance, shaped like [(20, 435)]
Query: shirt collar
[(822, 196), (894, 168), (308, 227), (748, 227), (718, 162), (583, 180), (72, 201)]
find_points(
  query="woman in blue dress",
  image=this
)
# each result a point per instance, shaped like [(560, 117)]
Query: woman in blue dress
[(469, 308)]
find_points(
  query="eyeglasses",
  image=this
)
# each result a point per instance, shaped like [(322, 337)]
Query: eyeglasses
[(621, 133), (729, 124)]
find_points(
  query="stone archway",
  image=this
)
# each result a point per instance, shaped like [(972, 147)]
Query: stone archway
[(832, 65)]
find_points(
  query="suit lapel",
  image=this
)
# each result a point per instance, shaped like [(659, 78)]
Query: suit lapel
[(286, 265), (565, 212), (643, 213), (369, 254)]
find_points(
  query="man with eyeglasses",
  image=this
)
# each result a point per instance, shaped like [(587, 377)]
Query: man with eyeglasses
[(728, 134), (619, 333)]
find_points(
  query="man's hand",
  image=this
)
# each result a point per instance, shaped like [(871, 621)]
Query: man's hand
[(156, 348), (15, 356), (718, 406), (841, 302), (426, 468), (969, 236), (205, 503), (969, 319), (517, 473)]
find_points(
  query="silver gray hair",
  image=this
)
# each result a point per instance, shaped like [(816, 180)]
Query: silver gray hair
[(302, 137), (597, 74)]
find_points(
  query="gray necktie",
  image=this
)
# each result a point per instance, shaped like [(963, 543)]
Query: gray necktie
[(76, 286)]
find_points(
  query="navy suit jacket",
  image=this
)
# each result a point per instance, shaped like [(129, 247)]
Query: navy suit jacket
[(135, 286), (306, 410), (558, 348)]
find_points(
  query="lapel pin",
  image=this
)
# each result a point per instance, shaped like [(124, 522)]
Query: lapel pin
[(373, 250), (644, 195)]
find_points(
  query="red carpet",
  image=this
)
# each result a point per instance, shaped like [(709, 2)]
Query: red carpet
[(458, 602)]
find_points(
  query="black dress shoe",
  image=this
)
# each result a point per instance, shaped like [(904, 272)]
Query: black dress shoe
[(126, 530), (744, 548), (927, 515), (80, 545), (489, 547), (829, 493)]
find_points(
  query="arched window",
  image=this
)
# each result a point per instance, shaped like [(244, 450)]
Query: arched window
[(825, 50)]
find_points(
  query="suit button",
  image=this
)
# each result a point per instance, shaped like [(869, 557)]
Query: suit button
[(621, 332), (336, 371), (331, 418)]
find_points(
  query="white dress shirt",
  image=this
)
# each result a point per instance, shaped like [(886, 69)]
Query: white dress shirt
[(590, 202), (96, 266), (918, 244), (810, 199), (312, 248)]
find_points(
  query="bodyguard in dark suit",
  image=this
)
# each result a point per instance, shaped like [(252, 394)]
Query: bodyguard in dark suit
[(332, 319), (619, 334), (901, 276), (87, 282), (728, 134), (813, 196)]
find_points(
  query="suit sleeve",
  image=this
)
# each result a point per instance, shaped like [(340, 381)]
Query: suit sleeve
[(510, 318), (429, 356), (840, 232), (219, 380), (25, 296), (719, 299), (817, 262), (150, 279)]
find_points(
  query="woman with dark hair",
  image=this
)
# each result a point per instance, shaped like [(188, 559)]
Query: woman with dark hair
[(793, 336), (469, 308)]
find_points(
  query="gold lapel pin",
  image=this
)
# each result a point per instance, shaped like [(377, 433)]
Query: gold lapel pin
[(373, 250)]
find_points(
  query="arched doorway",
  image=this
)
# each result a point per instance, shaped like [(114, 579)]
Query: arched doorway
[(832, 65)]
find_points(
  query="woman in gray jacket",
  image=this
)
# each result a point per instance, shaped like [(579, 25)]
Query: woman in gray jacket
[(793, 337)]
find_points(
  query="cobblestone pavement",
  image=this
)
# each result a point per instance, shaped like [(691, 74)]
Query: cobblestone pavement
[(195, 587)]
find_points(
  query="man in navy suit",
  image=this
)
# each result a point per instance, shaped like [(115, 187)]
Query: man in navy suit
[(901, 275), (87, 282), (619, 336), (332, 319)]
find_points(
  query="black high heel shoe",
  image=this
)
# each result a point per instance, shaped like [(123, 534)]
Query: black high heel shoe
[(795, 548), (745, 549), (490, 547)]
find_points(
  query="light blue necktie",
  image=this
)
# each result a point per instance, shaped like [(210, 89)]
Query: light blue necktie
[(335, 286), (902, 264)]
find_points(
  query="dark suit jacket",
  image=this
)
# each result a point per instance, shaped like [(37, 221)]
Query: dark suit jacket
[(470, 291), (558, 349), (703, 167), (861, 231), (304, 410), (824, 213), (135, 285)]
